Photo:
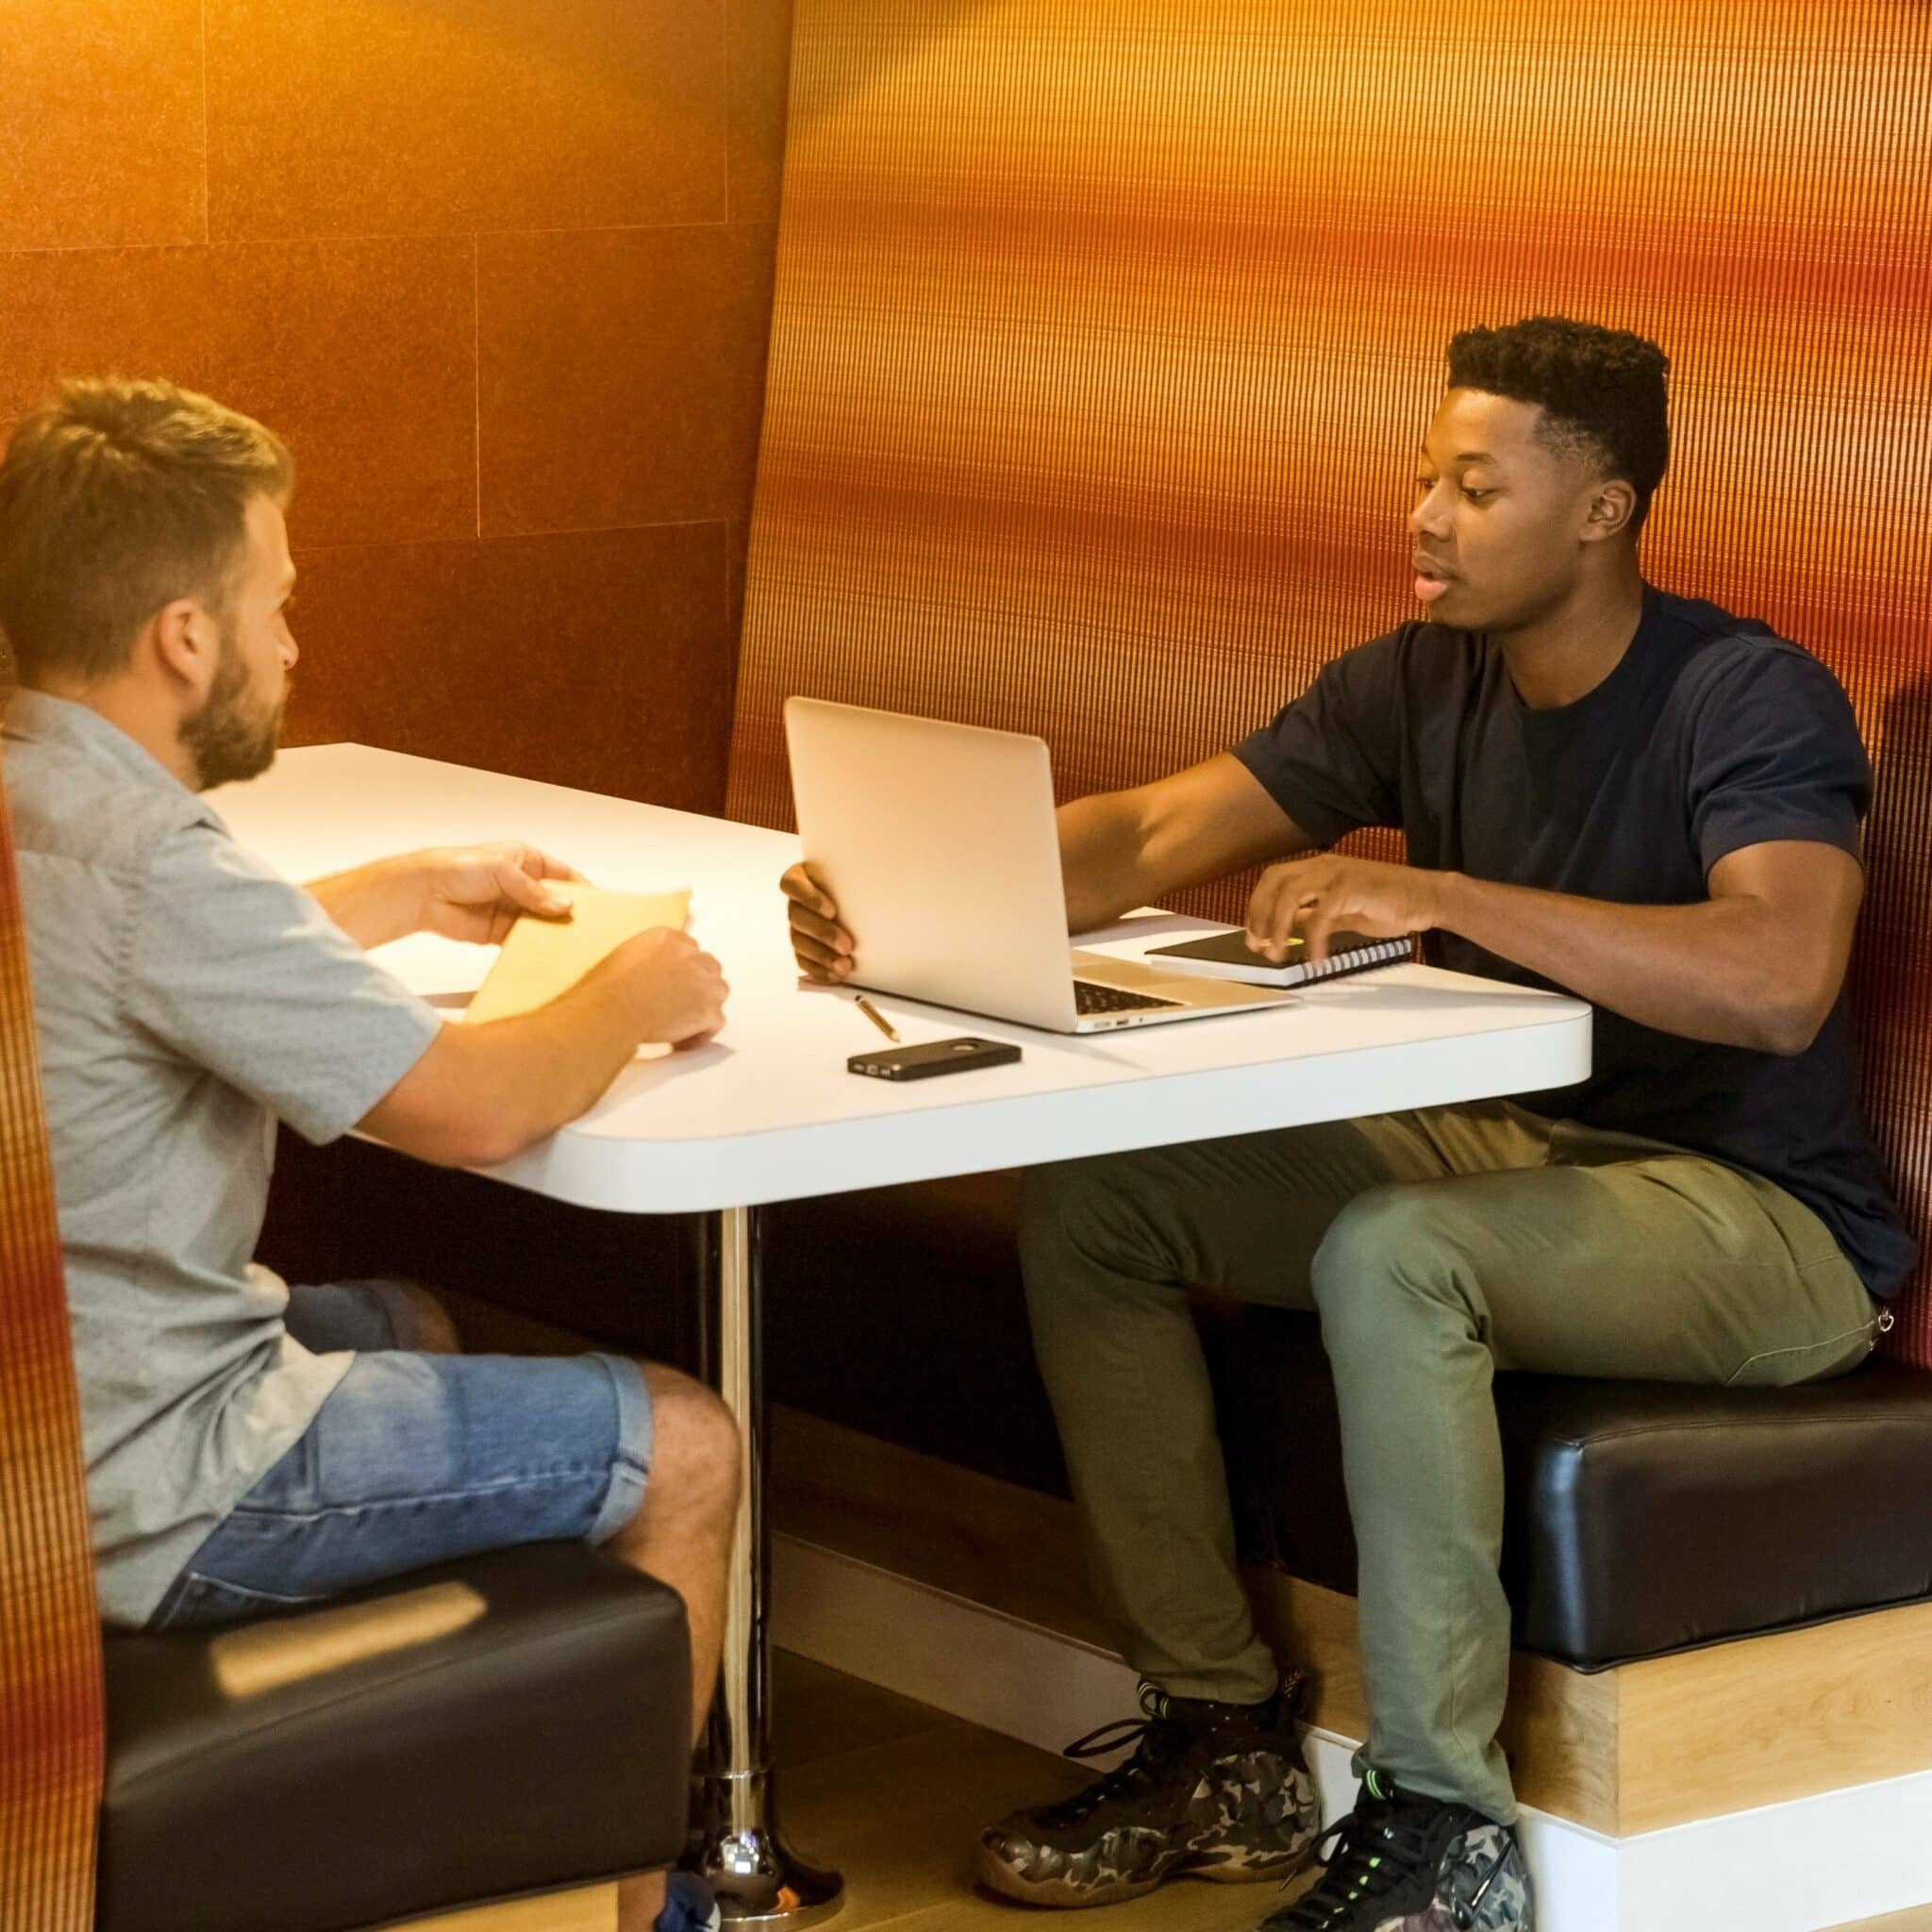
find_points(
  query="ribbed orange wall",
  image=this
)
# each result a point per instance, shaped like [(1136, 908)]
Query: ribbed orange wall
[(499, 270), (51, 1739), (1105, 338)]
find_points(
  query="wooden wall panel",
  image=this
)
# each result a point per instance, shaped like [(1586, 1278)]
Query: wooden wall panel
[(494, 268), (101, 132), (609, 676), (342, 347), (631, 427), (1101, 354), (381, 117)]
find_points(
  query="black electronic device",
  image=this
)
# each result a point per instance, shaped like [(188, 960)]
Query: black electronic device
[(935, 1057)]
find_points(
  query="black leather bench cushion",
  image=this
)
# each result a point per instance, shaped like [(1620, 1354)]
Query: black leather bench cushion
[(1641, 1518), (270, 1776)]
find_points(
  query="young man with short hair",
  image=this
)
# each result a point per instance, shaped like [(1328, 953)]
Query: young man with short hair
[(1632, 796), (250, 1446)]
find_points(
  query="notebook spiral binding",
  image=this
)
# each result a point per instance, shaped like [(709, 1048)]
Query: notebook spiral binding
[(1383, 952)]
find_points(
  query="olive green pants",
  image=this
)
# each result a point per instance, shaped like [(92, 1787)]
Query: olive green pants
[(1438, 1247)]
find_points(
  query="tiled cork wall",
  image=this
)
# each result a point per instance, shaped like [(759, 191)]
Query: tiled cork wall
[(500, 271)]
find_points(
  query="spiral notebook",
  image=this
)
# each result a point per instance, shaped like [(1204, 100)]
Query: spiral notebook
[(1226, 956)]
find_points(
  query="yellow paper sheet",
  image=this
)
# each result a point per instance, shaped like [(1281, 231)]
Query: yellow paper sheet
[(543, 957)]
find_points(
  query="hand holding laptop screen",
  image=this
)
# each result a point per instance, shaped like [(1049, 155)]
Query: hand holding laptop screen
[(892, 806), (972, 811), (822, 946)]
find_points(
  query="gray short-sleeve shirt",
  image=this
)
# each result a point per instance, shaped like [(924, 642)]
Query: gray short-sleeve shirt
[(186, 996)]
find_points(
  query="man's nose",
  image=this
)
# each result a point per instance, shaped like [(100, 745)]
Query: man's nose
[(1427, 514)]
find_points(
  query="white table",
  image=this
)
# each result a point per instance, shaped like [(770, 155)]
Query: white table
[(767, 1112)]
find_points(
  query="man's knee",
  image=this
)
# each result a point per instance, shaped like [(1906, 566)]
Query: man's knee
[(1092, 1210), (1386, 1246), (695, 1458)]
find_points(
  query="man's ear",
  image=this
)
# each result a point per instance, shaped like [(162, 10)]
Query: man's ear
[(1612, 505), (184, 643)]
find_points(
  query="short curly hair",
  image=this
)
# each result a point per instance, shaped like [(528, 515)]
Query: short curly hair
[(1600, 390)]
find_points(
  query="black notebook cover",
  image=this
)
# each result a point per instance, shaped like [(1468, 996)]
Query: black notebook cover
[(1226, 956)]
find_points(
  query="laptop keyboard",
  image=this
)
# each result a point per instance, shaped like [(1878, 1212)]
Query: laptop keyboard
[(1090, 999)]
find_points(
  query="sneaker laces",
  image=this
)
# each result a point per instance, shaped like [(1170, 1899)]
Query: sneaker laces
[(1377, 1849), (1157, 1738)]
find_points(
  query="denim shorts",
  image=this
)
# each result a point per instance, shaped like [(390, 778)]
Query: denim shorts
[(417, 1459)]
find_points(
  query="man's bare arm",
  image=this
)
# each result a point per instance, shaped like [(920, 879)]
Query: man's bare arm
[(1124, 849), (474, 893), (374, 904), (1758, 963), (480, 1094)]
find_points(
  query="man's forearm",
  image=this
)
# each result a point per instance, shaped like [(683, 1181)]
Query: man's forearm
[(374, 904), (1138, 847), (540, 1070), (1100, 859), (483, 1093), (1710, 971)]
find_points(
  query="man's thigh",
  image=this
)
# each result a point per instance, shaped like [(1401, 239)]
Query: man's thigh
[(421, 1458), (1667, 1266), (1243, 1216)]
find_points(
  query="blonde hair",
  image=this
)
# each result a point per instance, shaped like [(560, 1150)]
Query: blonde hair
[(116, 498)]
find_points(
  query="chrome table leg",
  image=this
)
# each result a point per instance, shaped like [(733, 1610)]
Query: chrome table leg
[(758, 1879)]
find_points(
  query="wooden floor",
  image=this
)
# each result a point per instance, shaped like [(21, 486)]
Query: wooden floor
[(894, 1793)]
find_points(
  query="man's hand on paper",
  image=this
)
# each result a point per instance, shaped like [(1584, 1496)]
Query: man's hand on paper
[(477, 893), (678, 989)]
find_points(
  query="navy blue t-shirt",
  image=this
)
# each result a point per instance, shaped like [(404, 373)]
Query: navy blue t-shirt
[(1711, 734)]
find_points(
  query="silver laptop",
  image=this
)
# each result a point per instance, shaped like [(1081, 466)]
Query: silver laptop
[(938, 843)]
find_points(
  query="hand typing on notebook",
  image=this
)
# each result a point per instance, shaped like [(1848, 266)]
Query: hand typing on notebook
[(1310, 898)]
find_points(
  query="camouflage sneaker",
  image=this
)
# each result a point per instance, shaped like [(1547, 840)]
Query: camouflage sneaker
[(1212, 1790), (1405, 1864)]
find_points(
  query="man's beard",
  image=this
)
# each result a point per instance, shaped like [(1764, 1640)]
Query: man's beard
[(226, 740)]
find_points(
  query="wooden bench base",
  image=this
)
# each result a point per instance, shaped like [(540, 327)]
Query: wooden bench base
[(1661, 1742)]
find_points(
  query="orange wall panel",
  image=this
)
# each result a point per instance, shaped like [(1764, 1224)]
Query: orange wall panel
[(101, 124), (759, 59), (494, 268), (404, 116), (1103, 345), (346, 347), (606, 679), (632, 426)]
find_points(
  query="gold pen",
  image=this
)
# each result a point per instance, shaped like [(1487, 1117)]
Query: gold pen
[(877, 1018)]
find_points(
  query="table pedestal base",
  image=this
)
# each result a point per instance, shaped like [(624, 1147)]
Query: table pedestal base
[(739, 1853), (757, 1880)]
